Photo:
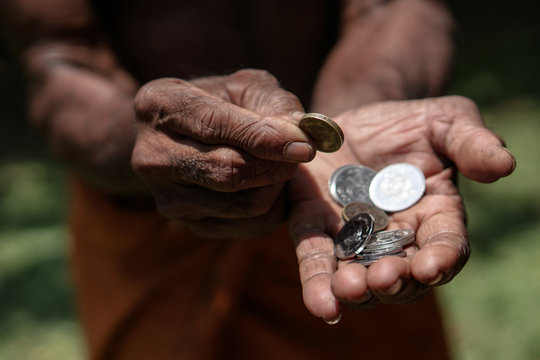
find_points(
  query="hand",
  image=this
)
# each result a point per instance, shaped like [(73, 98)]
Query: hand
[(83, 102), (433, 134), (217, 151)]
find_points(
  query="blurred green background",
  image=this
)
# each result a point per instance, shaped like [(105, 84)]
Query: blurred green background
[(492, 308)]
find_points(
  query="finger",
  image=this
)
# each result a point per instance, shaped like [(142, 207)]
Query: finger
[(309, 226), (440, 257), (349, 285), (390, 281), (461, 135), (160, 158), (442, 241), (179, 107), (441, 235)]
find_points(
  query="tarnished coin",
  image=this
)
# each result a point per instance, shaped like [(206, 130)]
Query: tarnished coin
[(350, 183), (353, 236), (397, 187), (325, 133), (354, 208)]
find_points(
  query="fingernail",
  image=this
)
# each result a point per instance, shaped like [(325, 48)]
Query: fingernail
[(512, 157), (299, 151), (365, 297), (394, 289), (436, 280), (333, 321)]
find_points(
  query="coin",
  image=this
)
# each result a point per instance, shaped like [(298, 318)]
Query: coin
[(325, 133), (381, 252), (368, 260), (350, 183), (356, 207), (353, 236), (391, 238), (397, 187), (385, 243)]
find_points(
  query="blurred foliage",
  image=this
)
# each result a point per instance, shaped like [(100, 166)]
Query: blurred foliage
[(491, 308), (37, 315)]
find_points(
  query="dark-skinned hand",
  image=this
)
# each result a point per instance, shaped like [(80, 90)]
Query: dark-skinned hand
[(440, 136), (216, 152)]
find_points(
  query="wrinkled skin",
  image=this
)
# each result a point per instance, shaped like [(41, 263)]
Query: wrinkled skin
[(433, 134), (216, 152), (223, 155)]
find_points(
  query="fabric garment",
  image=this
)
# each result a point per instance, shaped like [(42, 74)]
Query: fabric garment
[(149, 289)]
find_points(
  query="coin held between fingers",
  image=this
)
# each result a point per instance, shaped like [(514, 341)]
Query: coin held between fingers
[(325, 133)]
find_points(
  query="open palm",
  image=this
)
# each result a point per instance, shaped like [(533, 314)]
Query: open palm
[(438, 135)]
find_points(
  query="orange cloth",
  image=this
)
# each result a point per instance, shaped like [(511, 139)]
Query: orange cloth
[(149, 289)]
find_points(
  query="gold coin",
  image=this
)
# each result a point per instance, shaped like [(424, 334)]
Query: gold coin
[(352, 209), (323, 131)]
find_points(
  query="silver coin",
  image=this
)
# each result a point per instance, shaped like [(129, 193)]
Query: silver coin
[(400, 253), (353, 236), (390, 238), (350, 183), (366, 261), (391, 250), (397, 187), (356, 207)]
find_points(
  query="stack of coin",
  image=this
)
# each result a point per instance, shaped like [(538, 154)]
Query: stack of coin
[(356, 241), (386, 243), (367, 196)]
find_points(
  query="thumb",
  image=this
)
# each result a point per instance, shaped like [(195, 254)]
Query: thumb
[(462, 136)]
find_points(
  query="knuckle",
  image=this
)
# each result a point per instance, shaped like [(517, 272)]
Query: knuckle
[(224, 172), (229, 174), (147, 100), (153, 99), (144, 103), (141, 162), (237, 172)]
